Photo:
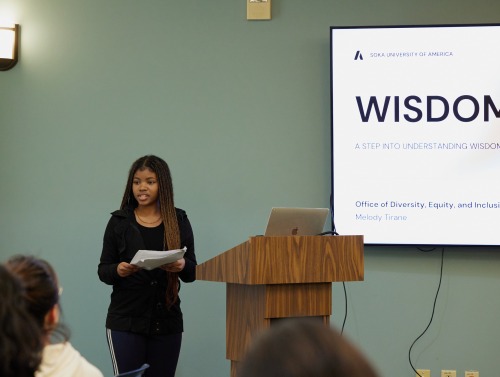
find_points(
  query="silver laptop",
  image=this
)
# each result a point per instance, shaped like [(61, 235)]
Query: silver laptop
[(296, 221)]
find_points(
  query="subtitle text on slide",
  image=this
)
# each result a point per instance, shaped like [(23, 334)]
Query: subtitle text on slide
[(394, 210)]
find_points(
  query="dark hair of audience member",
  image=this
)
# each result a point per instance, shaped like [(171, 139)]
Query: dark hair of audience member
[(20, 336), (303, 348), (41, 291)]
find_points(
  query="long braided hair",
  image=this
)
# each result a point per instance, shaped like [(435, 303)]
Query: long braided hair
[(171, 238)]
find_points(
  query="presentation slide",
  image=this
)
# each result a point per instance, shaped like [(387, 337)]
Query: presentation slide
[(416, 134)]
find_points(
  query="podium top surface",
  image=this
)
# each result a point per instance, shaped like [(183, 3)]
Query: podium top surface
[(288, 260)]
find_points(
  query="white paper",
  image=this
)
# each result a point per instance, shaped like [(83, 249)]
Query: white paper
[(150, 259)]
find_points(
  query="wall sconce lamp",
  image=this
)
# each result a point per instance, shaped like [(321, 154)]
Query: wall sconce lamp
[(9, 46)]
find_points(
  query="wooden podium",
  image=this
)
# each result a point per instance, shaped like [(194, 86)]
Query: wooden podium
[(269, 278)]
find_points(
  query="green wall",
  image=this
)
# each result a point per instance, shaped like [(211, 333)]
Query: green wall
[(240, 110)]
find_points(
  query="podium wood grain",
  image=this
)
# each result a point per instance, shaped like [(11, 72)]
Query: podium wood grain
[(271, 278), (282, 260)]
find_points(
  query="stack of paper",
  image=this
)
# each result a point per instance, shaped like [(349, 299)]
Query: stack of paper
[(150, 259)]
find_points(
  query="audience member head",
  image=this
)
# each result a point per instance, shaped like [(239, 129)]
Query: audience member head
[(20, 336), (303, 348), (41, 292)]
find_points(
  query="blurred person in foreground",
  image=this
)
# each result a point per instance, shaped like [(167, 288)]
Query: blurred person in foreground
[(41, 296), (303, 348), (20, 337)]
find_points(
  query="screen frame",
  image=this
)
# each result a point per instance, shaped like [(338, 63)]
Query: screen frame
[(332, 135)]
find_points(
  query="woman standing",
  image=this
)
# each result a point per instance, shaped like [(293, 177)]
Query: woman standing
[(144, 322)]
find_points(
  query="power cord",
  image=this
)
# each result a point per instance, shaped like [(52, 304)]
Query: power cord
[(345, 309), (333, 232), (433, 309)]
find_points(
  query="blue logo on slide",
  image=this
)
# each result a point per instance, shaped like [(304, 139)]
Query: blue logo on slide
[(358, 56)]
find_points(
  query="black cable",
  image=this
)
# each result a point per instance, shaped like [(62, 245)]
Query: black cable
[(328, 232), (432, 315), (334, 230), (334, 233), (345, 309)]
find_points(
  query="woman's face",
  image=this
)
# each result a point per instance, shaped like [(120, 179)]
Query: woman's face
[(145, 187)]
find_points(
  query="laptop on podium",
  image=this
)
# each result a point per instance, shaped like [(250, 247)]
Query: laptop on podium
[(296, 221)]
